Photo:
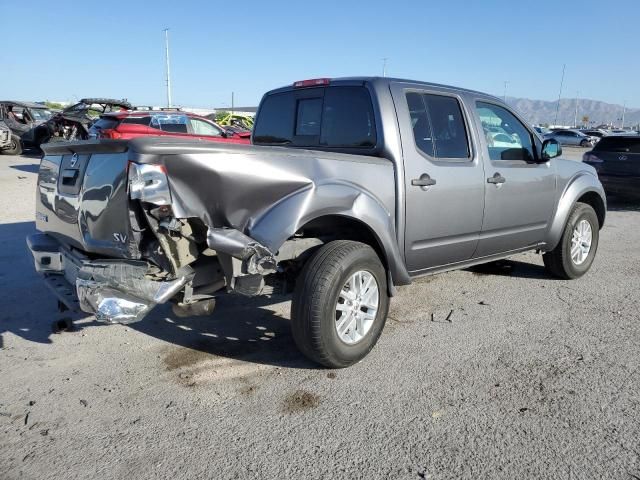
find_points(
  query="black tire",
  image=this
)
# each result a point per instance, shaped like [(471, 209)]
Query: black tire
[(585, 143), (15, 148), (313, 314), (558, 261)]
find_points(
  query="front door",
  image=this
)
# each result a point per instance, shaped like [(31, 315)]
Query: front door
[(520, 193), (444, 178)]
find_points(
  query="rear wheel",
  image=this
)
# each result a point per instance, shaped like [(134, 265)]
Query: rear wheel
[(585, 143), (15, 148), (574, 255), (340, 304)]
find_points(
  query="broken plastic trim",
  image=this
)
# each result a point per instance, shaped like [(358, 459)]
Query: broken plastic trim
[(118, 295), (256, 258)]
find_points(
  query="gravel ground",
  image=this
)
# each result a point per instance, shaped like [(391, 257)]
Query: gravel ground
[(531, 378)]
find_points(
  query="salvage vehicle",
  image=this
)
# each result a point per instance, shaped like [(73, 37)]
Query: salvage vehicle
[(73, 122), (616, 159), (5, 136), (352, 188), (23, 118), (133, 124)]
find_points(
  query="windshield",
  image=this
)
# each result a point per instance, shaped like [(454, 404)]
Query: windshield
[(40, 114)]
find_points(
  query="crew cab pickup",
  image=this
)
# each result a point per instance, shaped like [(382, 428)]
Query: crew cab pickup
[(352, 188)]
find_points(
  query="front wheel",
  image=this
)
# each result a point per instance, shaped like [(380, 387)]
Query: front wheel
[(585, 143), (15, 147), (574, 255), (340, 304)]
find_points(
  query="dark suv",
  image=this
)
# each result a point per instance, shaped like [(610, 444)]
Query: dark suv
[(616, 158)]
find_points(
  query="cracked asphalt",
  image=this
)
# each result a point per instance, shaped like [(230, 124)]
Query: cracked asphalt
[(495, 372)]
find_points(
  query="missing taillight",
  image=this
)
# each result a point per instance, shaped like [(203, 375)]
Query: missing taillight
[(149, 183)]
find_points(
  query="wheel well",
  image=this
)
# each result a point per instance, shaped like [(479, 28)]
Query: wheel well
[(596, 202), (336, 227)]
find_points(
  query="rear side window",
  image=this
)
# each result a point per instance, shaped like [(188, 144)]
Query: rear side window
[(618, 144), (333, 117), (438, 125)]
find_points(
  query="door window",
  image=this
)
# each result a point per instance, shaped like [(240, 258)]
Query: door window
[(507, 137), (200, 127), (438, 126)]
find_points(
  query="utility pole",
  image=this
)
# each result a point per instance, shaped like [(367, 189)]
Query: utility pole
[(232, 105), (384, 67), (624, 109), (575, 115), (166, 44), (555, 122), (506, 82)]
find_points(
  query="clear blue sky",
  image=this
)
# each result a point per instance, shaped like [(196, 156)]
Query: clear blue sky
[(115, 48)]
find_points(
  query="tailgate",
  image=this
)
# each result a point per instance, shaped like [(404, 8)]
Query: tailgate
[(82, 199)]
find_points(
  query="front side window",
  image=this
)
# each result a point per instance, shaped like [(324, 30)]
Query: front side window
[(514, 142), (200, 127), (170, 123), (438, 125)]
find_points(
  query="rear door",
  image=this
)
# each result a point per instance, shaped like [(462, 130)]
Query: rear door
[(520, 192), (444, 178)]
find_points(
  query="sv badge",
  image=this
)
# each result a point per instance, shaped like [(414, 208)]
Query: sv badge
[(120, 237)]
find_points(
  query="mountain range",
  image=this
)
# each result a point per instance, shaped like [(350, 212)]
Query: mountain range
[(544, 112)]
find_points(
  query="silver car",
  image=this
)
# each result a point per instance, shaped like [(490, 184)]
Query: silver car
[(572, 137)]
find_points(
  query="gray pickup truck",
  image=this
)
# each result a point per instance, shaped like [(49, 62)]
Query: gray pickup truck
[(351, 188)]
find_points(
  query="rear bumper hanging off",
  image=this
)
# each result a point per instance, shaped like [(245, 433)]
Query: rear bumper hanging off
[(115, 291)]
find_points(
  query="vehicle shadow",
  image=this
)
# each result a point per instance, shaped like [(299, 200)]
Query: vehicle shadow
[(620, 204), (240, 328), (29, 168), (512, 268), (27, 308)]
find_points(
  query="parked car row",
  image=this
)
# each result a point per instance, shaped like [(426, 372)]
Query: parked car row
[(33, 124), (572, 137)]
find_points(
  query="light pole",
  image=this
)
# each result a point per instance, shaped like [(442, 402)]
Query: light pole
[(575, 115), (384, 67), (624, 110), (555, 122), (166, 45), (506, 82)]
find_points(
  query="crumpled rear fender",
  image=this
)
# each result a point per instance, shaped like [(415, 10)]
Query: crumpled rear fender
[(579, 185), (285, 218)]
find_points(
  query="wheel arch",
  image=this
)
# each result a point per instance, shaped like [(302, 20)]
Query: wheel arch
[(585, 188), (335, 210)]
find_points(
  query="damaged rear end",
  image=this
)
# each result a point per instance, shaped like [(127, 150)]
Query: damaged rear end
[(111, 244)]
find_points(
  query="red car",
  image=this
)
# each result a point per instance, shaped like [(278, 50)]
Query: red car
[(172, 123)]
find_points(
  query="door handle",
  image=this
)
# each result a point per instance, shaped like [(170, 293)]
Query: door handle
[(496, 179), (424, 181)]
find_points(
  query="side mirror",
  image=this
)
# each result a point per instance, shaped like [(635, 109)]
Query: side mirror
[(550, 149)]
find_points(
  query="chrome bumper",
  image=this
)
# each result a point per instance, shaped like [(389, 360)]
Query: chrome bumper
[(115, 291)]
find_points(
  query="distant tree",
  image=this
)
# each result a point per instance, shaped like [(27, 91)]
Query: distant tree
[(54, 105)]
